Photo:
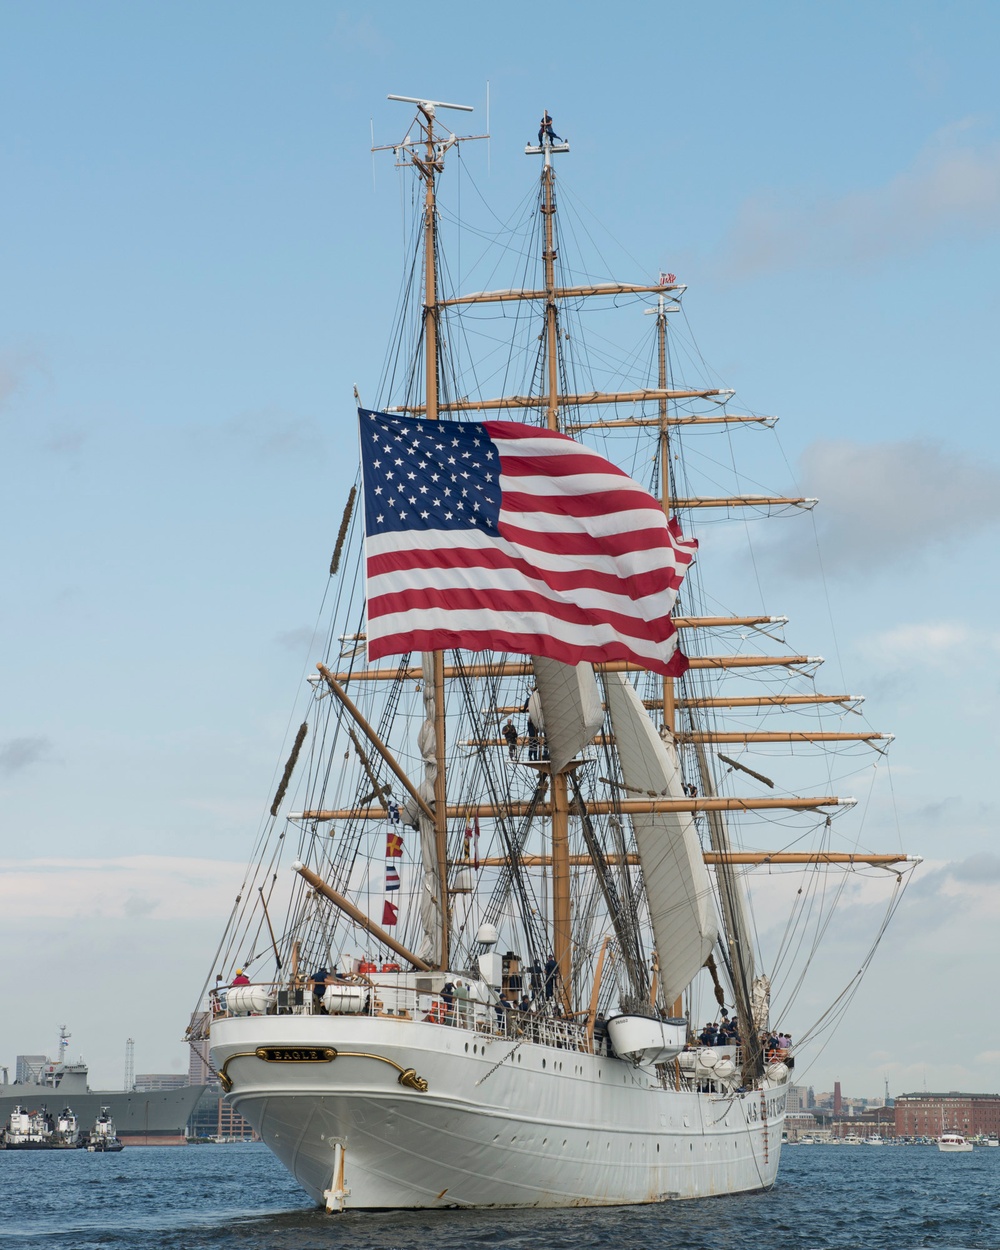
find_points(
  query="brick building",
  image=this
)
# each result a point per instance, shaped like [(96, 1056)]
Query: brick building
[(930, 1115)]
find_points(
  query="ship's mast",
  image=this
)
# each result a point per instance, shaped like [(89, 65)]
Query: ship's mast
[(428, 166), (562, 918), (669, 691), (661, 344)]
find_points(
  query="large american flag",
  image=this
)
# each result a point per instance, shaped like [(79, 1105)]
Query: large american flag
[(498, 536)]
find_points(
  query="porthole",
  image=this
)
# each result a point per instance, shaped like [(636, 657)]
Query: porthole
[(466, 1047), (543, 1063)]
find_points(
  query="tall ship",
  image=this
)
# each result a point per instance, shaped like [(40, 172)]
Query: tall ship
[(153, 1117), (498, 939)]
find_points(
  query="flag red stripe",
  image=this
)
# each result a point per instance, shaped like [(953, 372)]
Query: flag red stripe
[(558, 465), (579, 543), (521, 644), (617, 501), (470, 600), (636, 587)]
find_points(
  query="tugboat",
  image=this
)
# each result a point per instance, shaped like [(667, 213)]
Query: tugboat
[(103, 1139), (27, 1130), (67, 1132)]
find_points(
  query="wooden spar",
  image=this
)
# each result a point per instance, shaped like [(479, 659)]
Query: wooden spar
[(721, 622), (565, 401), (744, 501), (750, 736), (373, 737), (355, 913), (378, 791), (560, 292), (595, 993), (522, 668), (669, 689), (562, 916), (296, 946), (441, 808), (600, 807), (274, 944), (735, 932), (681, 622), (431, 375), (751, 858), (772, 700), (723, 418), (788, 736)]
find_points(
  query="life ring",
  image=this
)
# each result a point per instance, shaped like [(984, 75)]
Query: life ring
[(436, 1015)]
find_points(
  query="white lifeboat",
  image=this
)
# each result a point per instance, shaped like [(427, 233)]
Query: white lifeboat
[(645, 1039)]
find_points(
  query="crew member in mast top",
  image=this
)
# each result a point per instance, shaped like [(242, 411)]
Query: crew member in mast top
[(545, 130)]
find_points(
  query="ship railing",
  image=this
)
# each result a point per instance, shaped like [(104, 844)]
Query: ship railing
[(404, 1002)]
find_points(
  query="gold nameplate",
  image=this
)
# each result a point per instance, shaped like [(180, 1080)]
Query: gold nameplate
[(296, 1054)]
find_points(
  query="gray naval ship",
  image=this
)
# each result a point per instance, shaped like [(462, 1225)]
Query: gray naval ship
[(142, 1117)]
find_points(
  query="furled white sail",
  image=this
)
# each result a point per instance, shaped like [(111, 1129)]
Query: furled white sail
[(431, 918), (570, 707), (678, 887)]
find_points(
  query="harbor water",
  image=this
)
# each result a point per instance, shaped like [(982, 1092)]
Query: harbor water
[(237, 1196)]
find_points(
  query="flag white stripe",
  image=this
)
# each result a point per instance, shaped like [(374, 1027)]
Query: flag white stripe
[(580, 484), (585, 634), (544, 445), (651, 607), (636, 562)]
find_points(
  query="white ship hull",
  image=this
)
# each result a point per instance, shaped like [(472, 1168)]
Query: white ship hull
[(500, 1124)]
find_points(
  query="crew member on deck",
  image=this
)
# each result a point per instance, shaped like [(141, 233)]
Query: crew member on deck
[(319, 979), (241, 978)]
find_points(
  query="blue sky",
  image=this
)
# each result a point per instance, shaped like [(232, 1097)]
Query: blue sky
[(196, 271)]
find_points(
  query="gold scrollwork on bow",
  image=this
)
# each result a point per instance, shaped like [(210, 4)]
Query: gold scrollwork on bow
[(317, 1054)]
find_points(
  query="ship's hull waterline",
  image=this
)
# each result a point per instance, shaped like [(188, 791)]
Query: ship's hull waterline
[(500, 1123)]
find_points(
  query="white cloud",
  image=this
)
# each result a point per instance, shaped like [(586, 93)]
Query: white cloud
[(951, 189), (19, 753), (876, 504), (270, 432), (930, 644), (296, 640), (156, 887), (14, 368)]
